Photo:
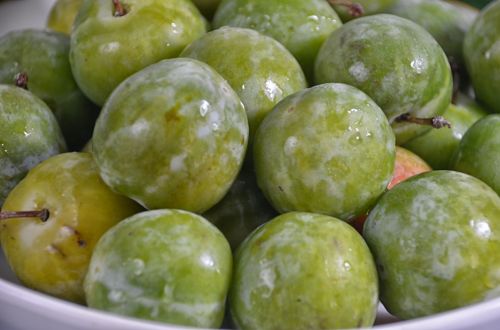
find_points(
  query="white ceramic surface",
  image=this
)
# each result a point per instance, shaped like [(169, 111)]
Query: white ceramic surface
[(25, 309)]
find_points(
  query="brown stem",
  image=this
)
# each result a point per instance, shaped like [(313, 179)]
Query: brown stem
[(355, 9), (436, 122), (21, 80), (119, 10), (42, 214)]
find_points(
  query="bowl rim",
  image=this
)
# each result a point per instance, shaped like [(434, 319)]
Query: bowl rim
[(25, 298)]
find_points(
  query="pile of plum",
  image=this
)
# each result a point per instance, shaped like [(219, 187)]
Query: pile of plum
[(301, 160)]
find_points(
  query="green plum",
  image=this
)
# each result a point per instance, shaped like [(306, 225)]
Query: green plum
[(53, 256), (482, 55), (111, 42), (396, 62), (436, 242), (43, 56), (446, 22), (63, 14), (370, 7), (304, 271), (438, 146), (164, 265), (173, 135), (479, 151), (328, 149), (301, 26), (259, 69), (243, 209), (29, 135)]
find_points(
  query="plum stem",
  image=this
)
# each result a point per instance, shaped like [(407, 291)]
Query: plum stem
[(41, 214), (436, 122), (355, 9), (21, 80), (119, 10)]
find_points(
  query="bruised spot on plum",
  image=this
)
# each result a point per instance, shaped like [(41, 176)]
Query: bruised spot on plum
[(79, 240), (21, 80), (336, 244), (172, 116), (56, 249), (360, 323), (290, 109), (281, 189), (119, 9), (353, 8)]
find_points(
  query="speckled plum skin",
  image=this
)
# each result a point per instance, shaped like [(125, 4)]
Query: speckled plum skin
[(301, 26), (479, 151), (43, 56), (29, 134), (438, 146), (259, 69), (106, 49), (304, 271), (446, 22), (328, 149), (482, 55), (393, 60), (53, 256), (164, 265), (173, 135), (436, 243)]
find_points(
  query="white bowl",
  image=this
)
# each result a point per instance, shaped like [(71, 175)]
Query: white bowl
[(25, 309)]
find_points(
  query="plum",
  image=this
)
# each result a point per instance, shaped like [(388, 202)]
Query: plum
[(53, 256), (29, 135), (113, 39), (436, 242), (164, 265), (304, 271), (258, 68), (396, 62), (43, 56), (63, 14), (446, 22), (328, 149), (301, 26), (482, 55), (173, 135), (479, 151)]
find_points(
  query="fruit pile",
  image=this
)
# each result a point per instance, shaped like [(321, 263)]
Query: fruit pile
[(302, 160)]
